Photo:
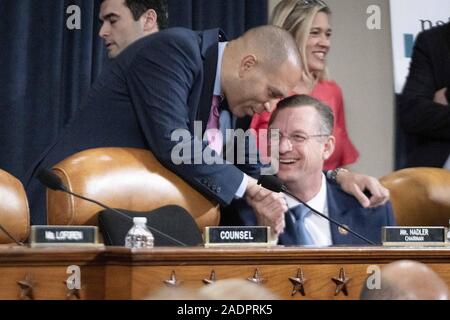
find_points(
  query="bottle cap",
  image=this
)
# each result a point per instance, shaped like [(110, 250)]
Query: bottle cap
[(140, 220)]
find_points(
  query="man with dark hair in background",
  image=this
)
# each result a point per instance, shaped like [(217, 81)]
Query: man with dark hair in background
[(125, 21)]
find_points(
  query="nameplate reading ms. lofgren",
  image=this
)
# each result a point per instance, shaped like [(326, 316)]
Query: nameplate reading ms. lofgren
[(410, 236), (236, 236), (64, 236)]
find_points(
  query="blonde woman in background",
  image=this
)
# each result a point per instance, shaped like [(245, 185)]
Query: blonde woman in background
[(308, 22)]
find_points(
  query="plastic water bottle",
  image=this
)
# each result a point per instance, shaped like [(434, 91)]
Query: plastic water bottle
[(139, 236)]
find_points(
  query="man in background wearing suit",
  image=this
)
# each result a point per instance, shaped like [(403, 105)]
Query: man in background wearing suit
[(424, 109), (165, 82), (304, 129)]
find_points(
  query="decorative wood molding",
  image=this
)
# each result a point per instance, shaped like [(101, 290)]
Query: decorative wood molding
[(26, 288), (257, 279), (341, 283), (212, 278), (172, 282), (299, 283)]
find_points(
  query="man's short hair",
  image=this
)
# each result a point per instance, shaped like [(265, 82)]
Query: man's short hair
[(325, 113), (139, 7), (273, 44)]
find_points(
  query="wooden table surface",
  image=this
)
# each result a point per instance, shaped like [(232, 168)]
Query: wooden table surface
[(121, 273)]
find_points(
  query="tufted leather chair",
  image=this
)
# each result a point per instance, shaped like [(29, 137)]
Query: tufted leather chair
[(14, 212), (125, 178), (420, 196)]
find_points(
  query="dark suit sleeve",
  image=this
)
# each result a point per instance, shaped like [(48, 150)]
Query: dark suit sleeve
[(163, 80), (419, 115)]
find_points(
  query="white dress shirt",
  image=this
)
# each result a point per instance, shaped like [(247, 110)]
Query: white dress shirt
[(318, 227)]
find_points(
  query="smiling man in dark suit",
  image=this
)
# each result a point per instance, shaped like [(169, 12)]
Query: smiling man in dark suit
[(304, 129)]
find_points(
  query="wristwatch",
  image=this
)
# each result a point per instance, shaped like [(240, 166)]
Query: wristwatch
[(332, 174)]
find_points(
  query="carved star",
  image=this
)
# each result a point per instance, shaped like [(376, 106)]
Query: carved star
[(172, 282), (299, 283), (26, 288), (256, 278), (212, 278), (341, 283), (72, 294)]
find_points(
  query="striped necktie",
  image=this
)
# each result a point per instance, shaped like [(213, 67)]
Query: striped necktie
[(213, 133)]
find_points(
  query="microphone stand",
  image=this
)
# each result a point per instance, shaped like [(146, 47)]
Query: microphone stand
[(274, 184), (124, 215), (286, 191)]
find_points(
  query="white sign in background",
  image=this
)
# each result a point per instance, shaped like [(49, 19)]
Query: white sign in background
[(408, 18)]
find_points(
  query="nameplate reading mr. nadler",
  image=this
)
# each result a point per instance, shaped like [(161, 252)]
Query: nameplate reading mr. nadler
[(236, 236), (64, 236), (413, 236)]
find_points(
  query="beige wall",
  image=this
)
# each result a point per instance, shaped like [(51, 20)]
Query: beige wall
[(361, 63)]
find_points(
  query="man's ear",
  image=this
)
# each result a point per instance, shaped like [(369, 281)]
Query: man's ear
[(328, 147), (149, 20), (247, 63)]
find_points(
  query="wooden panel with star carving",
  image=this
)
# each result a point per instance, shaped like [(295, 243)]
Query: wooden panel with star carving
[(322, 268), (42, 273), (120, 273), (319, 285)]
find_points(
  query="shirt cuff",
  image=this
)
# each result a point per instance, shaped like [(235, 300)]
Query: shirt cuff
[(241, 190)]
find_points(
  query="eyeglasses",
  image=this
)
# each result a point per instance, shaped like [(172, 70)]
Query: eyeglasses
[(296, 138), (311, 3)]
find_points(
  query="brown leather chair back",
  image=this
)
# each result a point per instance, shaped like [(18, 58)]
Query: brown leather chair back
[(14, 212), (125, 178), (420, 196)]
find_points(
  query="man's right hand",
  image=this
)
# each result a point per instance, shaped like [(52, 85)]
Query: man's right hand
[(440, 97), (269, 206)]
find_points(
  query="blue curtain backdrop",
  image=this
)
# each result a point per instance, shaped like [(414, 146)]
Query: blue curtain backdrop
[(46, 69)]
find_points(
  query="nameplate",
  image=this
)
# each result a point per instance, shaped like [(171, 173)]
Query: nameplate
[(64, 236), (414, 236), (235, 236)]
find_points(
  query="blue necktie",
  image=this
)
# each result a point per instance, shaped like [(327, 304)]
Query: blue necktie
[(300, 213)]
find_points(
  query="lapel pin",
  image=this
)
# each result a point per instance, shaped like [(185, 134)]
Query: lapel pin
[(343, 231)]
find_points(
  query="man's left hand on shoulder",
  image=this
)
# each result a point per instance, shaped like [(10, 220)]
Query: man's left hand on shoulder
[(366, 189)]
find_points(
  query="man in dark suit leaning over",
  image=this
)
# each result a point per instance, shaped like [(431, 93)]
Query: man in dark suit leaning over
[(165, 82), (168, 80), (304, 131)]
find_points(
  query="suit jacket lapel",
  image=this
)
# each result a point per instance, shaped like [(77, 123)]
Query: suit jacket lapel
[(338, 210)]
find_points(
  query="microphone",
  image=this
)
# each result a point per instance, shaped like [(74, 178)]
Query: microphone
[(52, 181), (274, 184)]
